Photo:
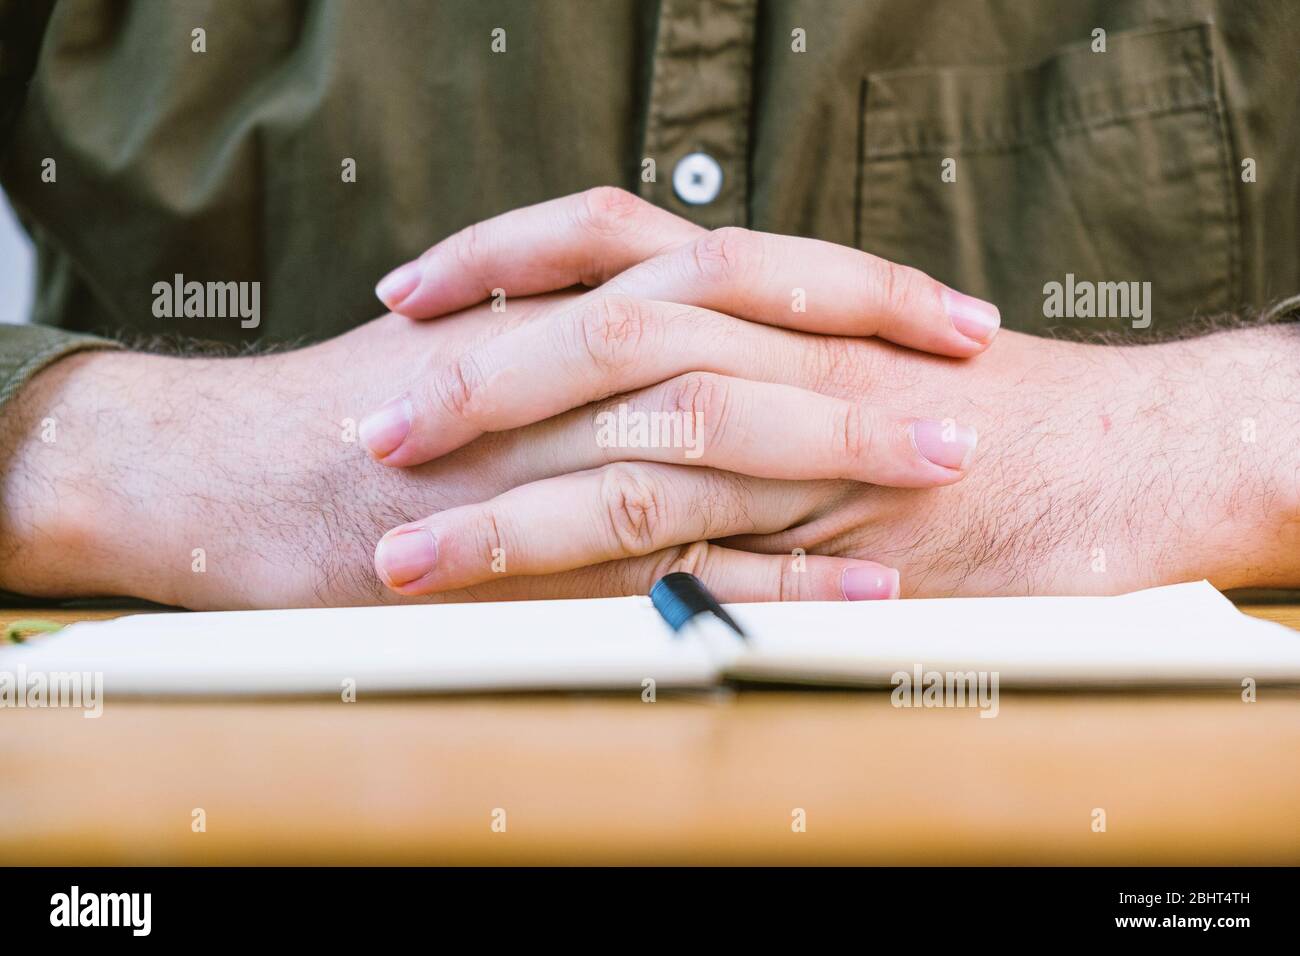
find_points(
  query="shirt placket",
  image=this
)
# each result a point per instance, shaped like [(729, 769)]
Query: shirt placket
[(697, 124)]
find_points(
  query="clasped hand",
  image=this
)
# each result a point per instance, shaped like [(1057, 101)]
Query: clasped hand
[(728, 353)]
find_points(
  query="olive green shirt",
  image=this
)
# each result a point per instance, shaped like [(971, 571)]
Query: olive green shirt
[(312, 146)]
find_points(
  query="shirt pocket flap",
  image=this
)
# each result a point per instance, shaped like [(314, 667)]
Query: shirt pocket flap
[(959, 110)]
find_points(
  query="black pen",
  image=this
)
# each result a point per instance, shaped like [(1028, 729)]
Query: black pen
[(686, 605)]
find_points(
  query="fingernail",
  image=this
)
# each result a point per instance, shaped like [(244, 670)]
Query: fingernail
[(405, 556), (869, 582), (398, 284), (944, 443), (972, 317), (383, 430)]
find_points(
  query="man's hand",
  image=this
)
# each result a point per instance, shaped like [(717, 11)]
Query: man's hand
[(1102, 470), (673, 322)]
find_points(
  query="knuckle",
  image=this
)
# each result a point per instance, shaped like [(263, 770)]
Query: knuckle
[(902, 289), (725, 254), (491, 539), (789, 583), (612, 328), (850, 436), (458, 387), (699, 397), (886, 281), (608, 210), (467, 249), (634, 504)]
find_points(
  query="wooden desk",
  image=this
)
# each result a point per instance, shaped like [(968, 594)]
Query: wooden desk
[(1183, 778)]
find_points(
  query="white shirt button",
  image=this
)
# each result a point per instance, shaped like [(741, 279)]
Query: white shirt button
[(697, 179)]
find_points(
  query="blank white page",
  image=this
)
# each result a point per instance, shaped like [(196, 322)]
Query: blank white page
[(1175, 634), (607, 643)]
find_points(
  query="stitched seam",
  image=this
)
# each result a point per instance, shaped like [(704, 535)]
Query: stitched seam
[(654, 120), (860, 179), (1077, 48), (1232, 209), (1057, 133), (741, 128)]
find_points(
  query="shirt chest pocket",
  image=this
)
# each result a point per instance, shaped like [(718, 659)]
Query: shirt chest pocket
[(1106, 166)]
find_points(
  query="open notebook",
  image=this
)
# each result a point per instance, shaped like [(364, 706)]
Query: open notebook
[(1186, 633)]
